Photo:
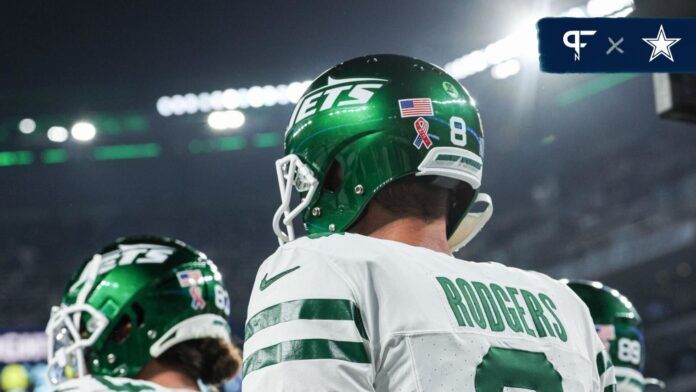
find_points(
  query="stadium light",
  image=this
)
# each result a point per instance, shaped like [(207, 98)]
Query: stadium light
[(57, 134), (83, 131), (256, 97), (27, 126), (506, 69), (204, 104), (231, 99), (164, 106), (191, 103), (228, 119)]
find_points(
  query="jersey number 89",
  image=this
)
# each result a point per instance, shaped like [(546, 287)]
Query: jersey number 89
[(629, 351), (222, 299)]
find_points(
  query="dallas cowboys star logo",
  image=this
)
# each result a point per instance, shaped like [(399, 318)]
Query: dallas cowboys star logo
[(661, 45)]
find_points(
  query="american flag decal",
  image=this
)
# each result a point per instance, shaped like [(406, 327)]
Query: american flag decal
[(189, 278), (414, 107)]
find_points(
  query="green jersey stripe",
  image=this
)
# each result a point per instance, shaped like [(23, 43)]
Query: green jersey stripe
[(295, 350), (630, 380), (305, 309), (603, 362), (610, 388), (129, 386)]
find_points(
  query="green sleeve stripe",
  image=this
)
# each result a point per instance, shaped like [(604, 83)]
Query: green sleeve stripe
[(295, 350), (630, 380), (601, 367), (306, 309), (126, 386), (610, 388)]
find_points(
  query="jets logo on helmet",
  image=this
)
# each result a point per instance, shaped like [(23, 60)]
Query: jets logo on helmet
[(336, 93), (128, 254), (357, 119)]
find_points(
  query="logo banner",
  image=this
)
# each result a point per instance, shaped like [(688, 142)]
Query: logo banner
[(665, 45)]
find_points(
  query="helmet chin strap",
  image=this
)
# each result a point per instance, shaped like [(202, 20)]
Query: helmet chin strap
[(472, 224)]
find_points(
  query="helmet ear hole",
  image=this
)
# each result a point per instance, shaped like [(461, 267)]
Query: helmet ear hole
[(133, 319), (122, 330), (334, 177), (139, 314)]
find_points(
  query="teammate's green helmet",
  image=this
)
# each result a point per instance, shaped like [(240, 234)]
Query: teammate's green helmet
[(621, 330), (376, 119), (131, 302)]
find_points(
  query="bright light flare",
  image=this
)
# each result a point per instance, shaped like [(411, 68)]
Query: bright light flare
[(27, 126), (57, 134), (83, 131), (228, 119), (506, 69)]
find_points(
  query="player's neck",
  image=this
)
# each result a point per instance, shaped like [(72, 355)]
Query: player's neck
[(378, 223), (166, 377)]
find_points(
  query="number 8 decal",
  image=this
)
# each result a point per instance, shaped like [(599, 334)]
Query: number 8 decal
[(457, 131)]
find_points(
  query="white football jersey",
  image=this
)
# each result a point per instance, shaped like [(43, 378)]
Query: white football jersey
[(347, 312), (109, 384)]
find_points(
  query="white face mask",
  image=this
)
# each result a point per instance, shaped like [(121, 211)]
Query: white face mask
[(65, 343), (292, 173)]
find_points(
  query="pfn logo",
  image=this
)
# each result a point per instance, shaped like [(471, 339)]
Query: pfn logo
[(576, 43)]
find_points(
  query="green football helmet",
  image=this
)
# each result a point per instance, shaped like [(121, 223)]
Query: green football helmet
[(377, 119), (131, 302), (620, 328)]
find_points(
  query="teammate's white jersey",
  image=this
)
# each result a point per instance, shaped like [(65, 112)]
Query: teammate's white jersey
[(109, 384), (353, 313)]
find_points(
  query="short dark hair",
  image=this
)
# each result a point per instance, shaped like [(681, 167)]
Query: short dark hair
[(211, 360), (416, 197)]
